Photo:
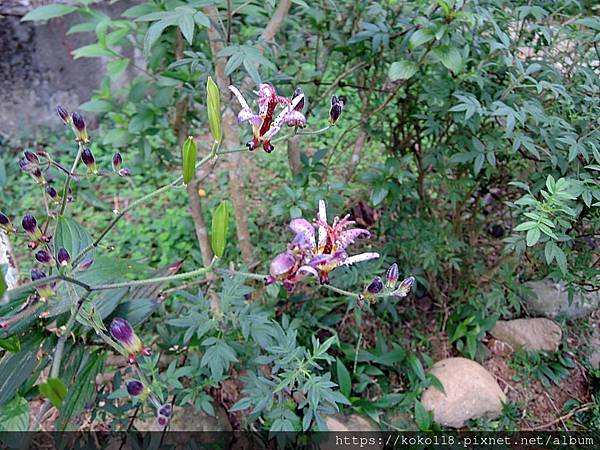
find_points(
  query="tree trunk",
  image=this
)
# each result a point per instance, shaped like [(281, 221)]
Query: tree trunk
[(293, 153)]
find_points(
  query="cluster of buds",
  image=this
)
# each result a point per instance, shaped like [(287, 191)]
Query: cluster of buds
[(63, 258), (377, 287), (30, 226), (122, 331), (136, 388), (76, 121), (30, 163)]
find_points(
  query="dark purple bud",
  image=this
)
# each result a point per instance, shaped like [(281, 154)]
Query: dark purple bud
[(337, 104), (376, 286), (300, 105), (43, 256), (29, 223), (162, 421), (391, 277), (31, 157), (165, 410), (4, 220), (51, 192), (135, 387), (122, 331), (63, 114), (88, 157), (124, 172), (37, 274), (78, 122), (63, 256), (405, 287), (117, 161)]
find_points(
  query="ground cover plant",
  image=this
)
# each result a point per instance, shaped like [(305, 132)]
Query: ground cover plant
[(293, 211)]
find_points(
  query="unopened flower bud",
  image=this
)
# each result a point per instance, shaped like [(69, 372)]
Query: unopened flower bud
[(165, 410), (51, 192), (117, 160), (43, 256), (63, 257), (4, 220), (404, 287), (391, 276), (123, 332), (63, 114), (376, 286), (135, 387), (300, 105), (88, 159), (24, 165), (37, 174), (124, 172), (85, 264), (79, 127), (29, 224), (31, 157), (337, 104), (162, 421), (44, 291)]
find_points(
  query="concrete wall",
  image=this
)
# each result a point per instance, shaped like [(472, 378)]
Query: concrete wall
[(37, 70)]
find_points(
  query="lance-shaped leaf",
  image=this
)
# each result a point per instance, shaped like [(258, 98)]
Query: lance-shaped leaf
[(213, 102), (54, 390), (189, 153), (220, 226)]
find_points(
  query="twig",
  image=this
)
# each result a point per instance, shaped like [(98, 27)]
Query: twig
[(582, 408)]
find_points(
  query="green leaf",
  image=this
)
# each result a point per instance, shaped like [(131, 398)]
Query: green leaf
[(186, 25), (3, 285), (115, 69), (379, 194), (92, 51), (14, 416), (213, 104), (72, 236), (402, 70), (189, 152), (449, 56), (420, 37), (15, 368), (416, 367), (48, 12), (82, 390), (343, 377), (533, 236), (219, 229), (422, 417), (11, 344), (54, 390)]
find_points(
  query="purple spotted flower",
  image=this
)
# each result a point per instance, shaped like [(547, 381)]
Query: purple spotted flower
[(123, 333), (264, 124), (317, 254)]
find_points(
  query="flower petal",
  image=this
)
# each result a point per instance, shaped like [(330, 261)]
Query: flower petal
[(295, 119), (322, 221), (246, 114), (360, 258), (349, 236), (240, 97), (304, 227), (282, 264), (305, 271)]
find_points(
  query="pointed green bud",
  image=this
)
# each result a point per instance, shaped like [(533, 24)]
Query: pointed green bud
[(213, 103), (189, 152)]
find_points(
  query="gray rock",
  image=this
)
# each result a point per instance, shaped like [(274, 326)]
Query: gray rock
[(550, 299), (471, 392), (529, 334), (189, 419), (353, 422)]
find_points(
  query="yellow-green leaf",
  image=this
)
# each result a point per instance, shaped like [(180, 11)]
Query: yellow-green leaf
[(189, 153), (220, 226), (54, 390), (213, 102)]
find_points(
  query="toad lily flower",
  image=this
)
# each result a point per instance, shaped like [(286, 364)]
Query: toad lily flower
[(319, 254), (264, 124)]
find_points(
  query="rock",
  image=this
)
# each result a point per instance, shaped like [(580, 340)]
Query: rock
[(471, 392), (529, 334), (595, 347), (189, 419), (353, 422), (550, 299)]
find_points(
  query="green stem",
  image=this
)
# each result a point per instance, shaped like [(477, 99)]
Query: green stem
[(68, 181), (340, 291), (181, 276), (254, 276)]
